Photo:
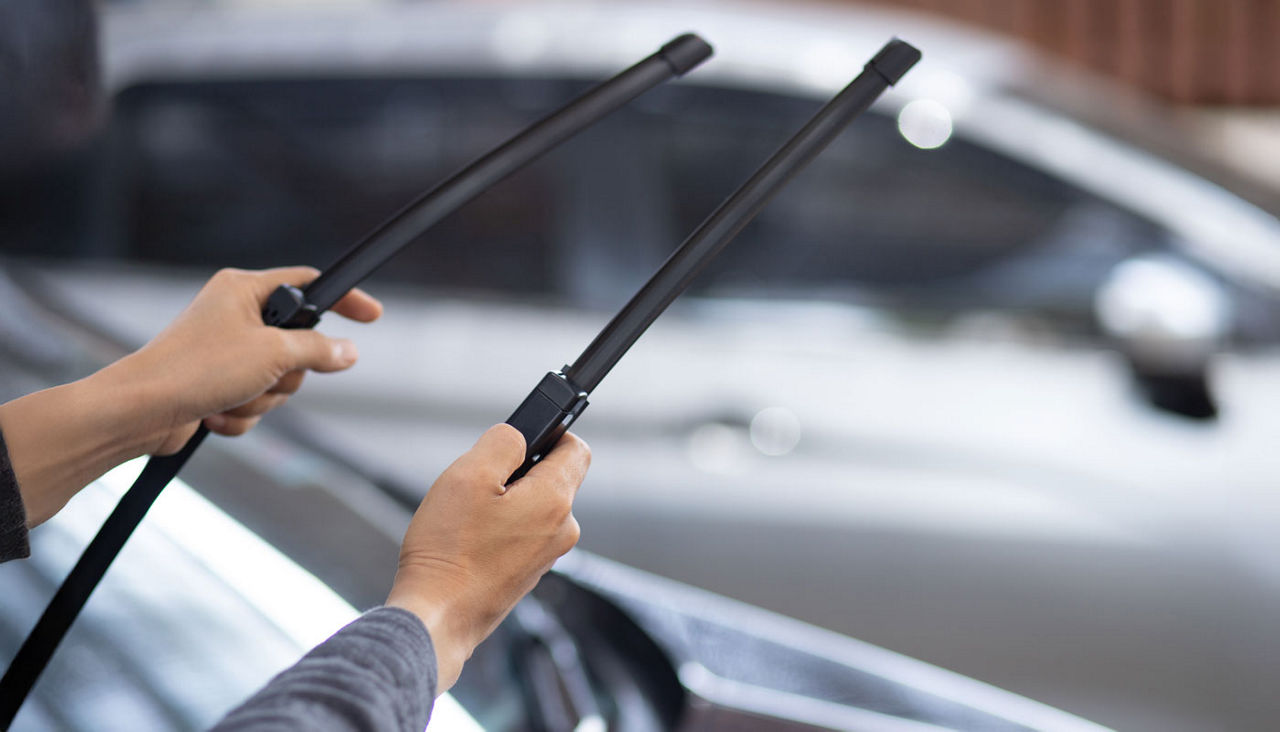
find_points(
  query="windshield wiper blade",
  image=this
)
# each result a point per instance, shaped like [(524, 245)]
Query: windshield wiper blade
[(559, 399), (291, 307)]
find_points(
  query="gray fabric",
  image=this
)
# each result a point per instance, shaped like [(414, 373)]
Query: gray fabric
[(378, 673), (13, 517)]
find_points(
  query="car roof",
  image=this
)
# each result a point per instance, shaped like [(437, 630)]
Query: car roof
[(754, 42), (977, 76)]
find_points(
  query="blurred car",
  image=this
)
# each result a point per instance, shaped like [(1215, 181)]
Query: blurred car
[(986, 385), (199, 611)]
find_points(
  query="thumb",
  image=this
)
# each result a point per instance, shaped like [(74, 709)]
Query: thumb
[(308, 349), (495, 456)]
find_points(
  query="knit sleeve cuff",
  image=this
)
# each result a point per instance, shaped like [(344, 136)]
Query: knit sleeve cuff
[(13, 516)]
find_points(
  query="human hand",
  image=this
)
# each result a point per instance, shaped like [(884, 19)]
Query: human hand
[(219, 363), (475, 546), (216, 361)]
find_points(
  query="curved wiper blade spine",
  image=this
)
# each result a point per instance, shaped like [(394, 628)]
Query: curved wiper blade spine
[(736, 212), (559, 399), (674, 59)]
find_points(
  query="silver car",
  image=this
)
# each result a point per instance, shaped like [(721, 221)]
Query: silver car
[(986, 385)]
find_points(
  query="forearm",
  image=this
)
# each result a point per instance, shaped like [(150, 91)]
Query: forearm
[(61, 439), (378, 673), (216, 362)]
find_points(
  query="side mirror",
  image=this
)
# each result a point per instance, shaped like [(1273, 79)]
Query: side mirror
[(1168, 320)]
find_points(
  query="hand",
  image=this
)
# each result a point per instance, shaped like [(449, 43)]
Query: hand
[(475, 546), (218, 362)]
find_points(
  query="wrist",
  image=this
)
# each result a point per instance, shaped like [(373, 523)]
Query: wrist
[(62, 438), (445, 623), (137, 407)]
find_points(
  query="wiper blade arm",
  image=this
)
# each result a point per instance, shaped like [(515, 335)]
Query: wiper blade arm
[(547, 646)]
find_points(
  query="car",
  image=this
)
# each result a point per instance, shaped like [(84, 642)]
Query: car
[(987, 385), (200, 609)]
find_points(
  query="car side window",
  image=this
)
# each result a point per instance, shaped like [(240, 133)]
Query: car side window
[(877, 220), (255, 173)]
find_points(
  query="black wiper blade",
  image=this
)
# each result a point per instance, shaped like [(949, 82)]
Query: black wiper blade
[(291, 307), (559, 399)]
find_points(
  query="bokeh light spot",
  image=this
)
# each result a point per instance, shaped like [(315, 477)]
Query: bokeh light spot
[(925, 123)]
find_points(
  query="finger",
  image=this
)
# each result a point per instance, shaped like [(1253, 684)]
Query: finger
[(562, 469), (307, 349), (266, 281), (230, 426), (177, 439), (495, 456), (289, 383), (359, 306), (258, 407)]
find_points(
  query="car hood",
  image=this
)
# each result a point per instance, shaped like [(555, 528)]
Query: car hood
[(742, 667)]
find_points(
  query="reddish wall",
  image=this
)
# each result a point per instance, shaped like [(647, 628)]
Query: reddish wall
[(1187, 51)]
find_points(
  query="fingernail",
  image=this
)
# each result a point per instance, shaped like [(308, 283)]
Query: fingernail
[(344, 352), (215, 422)]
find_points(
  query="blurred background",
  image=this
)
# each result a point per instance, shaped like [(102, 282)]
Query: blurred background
[(994, 383)]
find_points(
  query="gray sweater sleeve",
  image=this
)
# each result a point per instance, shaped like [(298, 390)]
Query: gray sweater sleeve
[(13, 517), (376, 674)]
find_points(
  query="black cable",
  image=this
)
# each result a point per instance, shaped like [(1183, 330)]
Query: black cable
[(290, 307)]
